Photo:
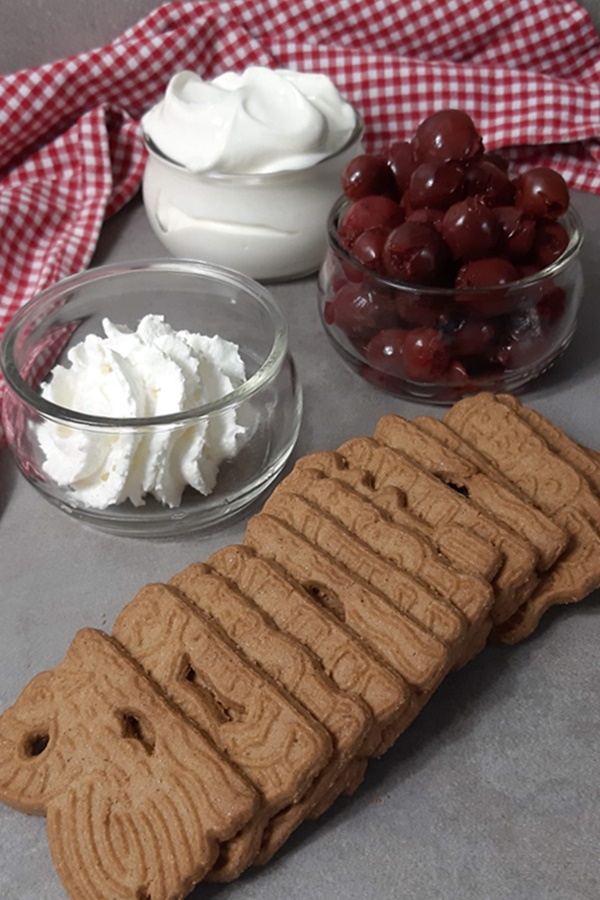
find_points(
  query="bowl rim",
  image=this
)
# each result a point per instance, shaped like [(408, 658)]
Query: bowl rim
[(571, 219), (238, 178), (48, 296)]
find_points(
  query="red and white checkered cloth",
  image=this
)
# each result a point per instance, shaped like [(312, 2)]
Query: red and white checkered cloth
[(528, 71)]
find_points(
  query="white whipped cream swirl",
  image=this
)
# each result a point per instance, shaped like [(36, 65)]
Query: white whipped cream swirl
[(263, 120), (153, 371)]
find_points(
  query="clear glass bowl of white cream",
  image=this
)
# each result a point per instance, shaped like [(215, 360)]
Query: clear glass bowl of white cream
[(151, 398), (242, 170)]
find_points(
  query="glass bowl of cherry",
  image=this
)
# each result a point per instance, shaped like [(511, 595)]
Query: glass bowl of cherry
[(446, 273)]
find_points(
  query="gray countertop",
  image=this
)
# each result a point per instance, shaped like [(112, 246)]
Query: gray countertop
[(491, 793)]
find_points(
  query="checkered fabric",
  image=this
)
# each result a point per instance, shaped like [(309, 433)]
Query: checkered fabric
[(528, 71)]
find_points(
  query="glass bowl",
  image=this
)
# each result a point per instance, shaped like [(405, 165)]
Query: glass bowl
[(439, 344), (191, 296), (271, 226)]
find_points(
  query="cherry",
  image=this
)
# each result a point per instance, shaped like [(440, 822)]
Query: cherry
[(456, 374), (421, 309), (470, 229), (528, 269), (517, 230), (425, 216), (415, 253), (473, 338), (368, 212), (549, 243), (425, 354), (368, 174), (486, 273), (385, 350), (542, 192), (496, 158), (449, 134), (368, 247), (489, 272), (436, 185), (489, 183), (401, 162), (359, 313)]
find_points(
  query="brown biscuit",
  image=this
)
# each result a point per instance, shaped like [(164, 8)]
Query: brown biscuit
[(420, 657), (553, 484), (348, 663), (445, 435), (489, 492), (278, 829), (349, 782), (593, 454), (137, 797), (273, 740), (396, 585), (581, 458), (572, 578), (346, 717), (458, 546), (407, 548), (345, 543), (343, 656), (555, 534), (542, 473), (435, 502)]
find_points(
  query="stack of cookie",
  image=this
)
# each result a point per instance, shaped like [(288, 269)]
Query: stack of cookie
[(249, 692)]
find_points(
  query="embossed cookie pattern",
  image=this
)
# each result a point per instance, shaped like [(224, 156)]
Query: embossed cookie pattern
[(247, 694), (516, 444), (121, 775)]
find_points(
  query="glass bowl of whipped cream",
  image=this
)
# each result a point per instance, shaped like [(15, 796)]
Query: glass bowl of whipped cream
[(151, 398), (242, 170)]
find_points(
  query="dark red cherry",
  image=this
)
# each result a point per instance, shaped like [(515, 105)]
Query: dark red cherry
[(415, 253), (490, 183), (517, 230), (425, 354), (456, 374), (496, 158), (486, 273), (368, 247), (402, 163), (368, 212), (435, 185), (423, 309), (368, 174), (472, 338), (449, 134), (359, 312), (385, 350), (433, 217), (470, 229), (489, 272), (542, 192), (549, 243), (528, 268)]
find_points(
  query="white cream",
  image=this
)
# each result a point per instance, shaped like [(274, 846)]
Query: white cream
[(256, 165), (152, 371), (257, 122)]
